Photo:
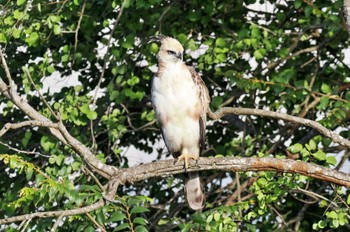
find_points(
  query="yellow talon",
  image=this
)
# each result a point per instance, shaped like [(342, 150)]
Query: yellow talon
[(186, 157)]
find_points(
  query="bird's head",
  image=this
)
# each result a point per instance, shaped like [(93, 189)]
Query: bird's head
[(170, 51)]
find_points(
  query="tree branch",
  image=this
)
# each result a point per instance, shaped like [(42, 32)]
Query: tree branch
[(265, 113), (231, 164), (59, 213), (347, 13), (60, 133), (38, 123)]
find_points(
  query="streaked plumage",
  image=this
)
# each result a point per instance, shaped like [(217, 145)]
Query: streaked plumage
[(180, 99)]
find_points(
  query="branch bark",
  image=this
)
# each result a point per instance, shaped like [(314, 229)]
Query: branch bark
[(61, 133), (347, 13), (231, 164), (60, 213), (265, 113)]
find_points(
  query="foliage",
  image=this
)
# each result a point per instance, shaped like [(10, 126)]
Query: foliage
[(289, 59)]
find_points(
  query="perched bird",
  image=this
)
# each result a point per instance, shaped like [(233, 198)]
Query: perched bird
[(180, 100)]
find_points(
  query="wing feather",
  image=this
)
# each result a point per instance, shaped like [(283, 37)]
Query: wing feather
[(204, 101)]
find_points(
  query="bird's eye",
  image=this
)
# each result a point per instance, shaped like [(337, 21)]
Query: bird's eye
[(170, 52)]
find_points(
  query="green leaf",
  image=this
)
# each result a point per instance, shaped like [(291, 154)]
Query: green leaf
[(139, 209), (154, 48), (46, 144), (312, 145), (297, 4), (217, 216), (3, 38), (29, 174), (348, 200), (85, 109), (322, 224), (259, 54), (122, 227), (296, 148), (319, 155), (326, 88), (285, 76), (32, 39), (220, 42), (141, 228), (262, 182), (20, 2), (331, 160), (332, 214), (323, 103), (117, 216), (140, 220), (18, 14), (57, 29), (50, 69), (60, 159)]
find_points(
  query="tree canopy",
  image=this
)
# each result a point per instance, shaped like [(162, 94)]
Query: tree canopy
[(75, 82)]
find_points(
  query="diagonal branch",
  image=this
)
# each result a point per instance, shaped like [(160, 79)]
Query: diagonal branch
[(265, 113), (60, 133), (59, 213)]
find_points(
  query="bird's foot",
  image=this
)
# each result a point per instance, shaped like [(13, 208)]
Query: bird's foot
[(186, 157)]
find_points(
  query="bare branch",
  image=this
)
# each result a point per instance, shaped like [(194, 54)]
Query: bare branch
[(265, 113), (40, 95), (23, 151), (61, 133), (105, 59), (14, 126), (59, 213), (171, 167), (233, 164)]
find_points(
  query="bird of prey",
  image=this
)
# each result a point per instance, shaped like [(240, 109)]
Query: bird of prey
[(180, 100)]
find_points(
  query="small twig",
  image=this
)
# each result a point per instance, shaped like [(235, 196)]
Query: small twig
[(6, 68), (265, 113), (163, 14), (95, 222), (86, 169), (25, 69), (272, 65), (26, 225), (33, 123), (313, 195), (105, 58), (70, 212), (143, 127), (22, 151), (77, 30), (239, 192), (57, 223)]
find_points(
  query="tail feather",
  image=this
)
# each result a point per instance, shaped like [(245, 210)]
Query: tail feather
[(194, 191)]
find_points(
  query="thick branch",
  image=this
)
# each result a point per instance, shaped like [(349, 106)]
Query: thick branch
[(60, 213), (265, 113), (233, 164)]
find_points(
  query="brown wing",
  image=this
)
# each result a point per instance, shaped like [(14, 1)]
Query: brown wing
[(204, 104)]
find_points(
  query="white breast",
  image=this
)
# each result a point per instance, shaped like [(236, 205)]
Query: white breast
[(175, 96)]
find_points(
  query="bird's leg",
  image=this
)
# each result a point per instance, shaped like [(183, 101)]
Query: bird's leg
[(186, 157)]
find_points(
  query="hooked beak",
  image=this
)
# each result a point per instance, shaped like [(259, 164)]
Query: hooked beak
[(179, 55)]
